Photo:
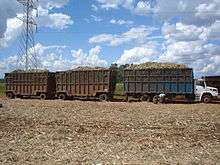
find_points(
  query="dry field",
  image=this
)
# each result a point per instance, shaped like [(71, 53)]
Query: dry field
[(87, 132)]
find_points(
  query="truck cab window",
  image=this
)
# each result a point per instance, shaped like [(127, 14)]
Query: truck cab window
[(200, 83)]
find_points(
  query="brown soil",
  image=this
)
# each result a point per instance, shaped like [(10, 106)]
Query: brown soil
[(83, 132)]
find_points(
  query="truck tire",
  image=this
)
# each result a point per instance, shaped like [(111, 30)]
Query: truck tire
[(62, 96), (103, 97), (10, 95), (206, 99), (162, 100), (144, 98), (156, 99), (43, 96)]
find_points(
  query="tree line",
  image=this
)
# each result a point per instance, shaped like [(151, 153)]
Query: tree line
[(119, 69)]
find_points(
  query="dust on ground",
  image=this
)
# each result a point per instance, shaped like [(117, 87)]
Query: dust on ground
[(88, 132)]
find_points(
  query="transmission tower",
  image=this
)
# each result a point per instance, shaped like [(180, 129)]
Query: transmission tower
[(27, 57)]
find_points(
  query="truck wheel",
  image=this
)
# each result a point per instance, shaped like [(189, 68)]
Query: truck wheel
[(144, 98), (103, 97), (43, 96), (206, 99), (162, 100), (62, 96), (10, 95), (156, 99)]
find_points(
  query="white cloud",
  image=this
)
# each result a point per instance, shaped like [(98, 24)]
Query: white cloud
[(90, 59), (14, 29), (8, 9), (121, 22), (208, 11), (136, 55), (56, 58), (143, 8), (213, 32), (50, 4), (9, 29), (182, 32), (94, 7), (189, 44), (95, 18), (198, 12), (135, 34), (55, 20), (107, 4), (197, 54)]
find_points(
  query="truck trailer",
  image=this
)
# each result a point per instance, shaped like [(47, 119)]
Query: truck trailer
[(32, 83), (161, 85), (86, 83)]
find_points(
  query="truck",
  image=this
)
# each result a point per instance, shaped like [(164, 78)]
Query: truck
[(205, 93), (86, 83), (166, 84), (33, 83)]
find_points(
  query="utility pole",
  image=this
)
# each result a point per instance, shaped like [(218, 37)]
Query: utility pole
[(27, 55)]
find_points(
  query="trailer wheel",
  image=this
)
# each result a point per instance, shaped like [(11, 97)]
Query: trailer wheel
[(156, 99), (62, 96), (10, 95), (103, 97), (144, 98), (43, 96), (206, 99)]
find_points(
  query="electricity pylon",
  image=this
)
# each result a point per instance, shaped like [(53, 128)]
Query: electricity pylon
[(27, 55)]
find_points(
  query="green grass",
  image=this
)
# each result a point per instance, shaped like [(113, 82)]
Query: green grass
[(119, 91), (2, 89)]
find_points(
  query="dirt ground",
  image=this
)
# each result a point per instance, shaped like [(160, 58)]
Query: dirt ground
[(88, 132)]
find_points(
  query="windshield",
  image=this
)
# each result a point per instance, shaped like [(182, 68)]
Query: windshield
[(200, 83)]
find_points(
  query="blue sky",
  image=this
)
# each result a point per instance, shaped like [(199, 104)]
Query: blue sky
[(73, 33)]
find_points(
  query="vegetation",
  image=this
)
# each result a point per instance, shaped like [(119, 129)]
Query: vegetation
[(119, 89), (157, 65), (2, 89), (119, 70)]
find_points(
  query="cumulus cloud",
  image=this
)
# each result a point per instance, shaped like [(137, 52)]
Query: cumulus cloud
[(14, 29), (136, 55), (107, 4), (199, 12), (121, 22), (8, 9), (189, 44), (48, 4), (143, 8), (136, 34), (197, 54), (182, 32), (53, 20), (56, 58), (10, 25), (88, 59)]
